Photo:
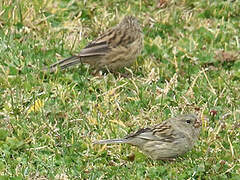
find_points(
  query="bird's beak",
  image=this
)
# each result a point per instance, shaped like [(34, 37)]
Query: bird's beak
[(198, 123)]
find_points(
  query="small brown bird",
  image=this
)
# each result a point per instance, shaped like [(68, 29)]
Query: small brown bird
[(118, 47), (164, 141)]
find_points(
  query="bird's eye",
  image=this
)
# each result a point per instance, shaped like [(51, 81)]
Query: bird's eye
[(188, 121)]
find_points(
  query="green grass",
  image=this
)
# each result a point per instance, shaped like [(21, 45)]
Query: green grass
[(190, 63)]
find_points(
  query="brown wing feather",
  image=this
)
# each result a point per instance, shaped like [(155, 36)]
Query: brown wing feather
[(100, 46), (165, 131), (97, 50)]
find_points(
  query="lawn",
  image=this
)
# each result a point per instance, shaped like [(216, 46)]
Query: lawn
[(190, 63)]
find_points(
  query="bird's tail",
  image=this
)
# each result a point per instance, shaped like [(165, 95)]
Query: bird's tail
[(111, 141), (71, 61)]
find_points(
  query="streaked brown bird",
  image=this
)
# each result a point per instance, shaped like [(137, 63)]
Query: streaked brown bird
[(118, 47), (164, 141)]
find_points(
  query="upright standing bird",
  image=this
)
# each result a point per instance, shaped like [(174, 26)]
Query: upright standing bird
[(118, 47), (164, 141)]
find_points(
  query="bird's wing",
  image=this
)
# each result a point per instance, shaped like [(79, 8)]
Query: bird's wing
[(165, 131), (112, 38), (161, 132), (146, 133), (100, 46), (98, 49)]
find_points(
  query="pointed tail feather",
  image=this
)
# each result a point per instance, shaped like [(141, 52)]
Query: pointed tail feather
[(64, 63), (111, 141)]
